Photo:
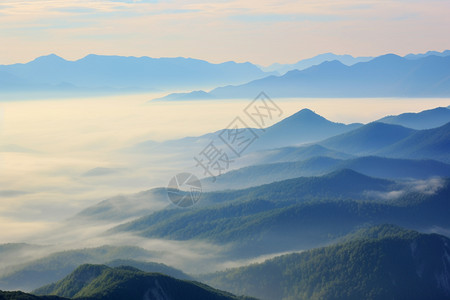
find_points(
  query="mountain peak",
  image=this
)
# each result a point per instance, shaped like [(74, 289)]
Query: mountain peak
[(307, 114), (51, 58), (306, 111), (304, 117)]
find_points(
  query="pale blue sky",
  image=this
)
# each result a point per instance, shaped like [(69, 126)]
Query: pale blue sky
[(263, 31)]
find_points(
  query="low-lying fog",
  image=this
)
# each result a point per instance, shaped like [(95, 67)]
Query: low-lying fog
[(60, 156)]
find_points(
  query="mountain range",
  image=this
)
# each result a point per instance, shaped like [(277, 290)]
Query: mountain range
[(325, 75), (312, 188), (98, 73), (381, 167), (297, 213), (306, 135), (375, 149), (346, 59), (384, 76), (401, 263), (316, 60)]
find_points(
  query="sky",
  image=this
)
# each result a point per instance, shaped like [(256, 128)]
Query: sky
[(259, 31)]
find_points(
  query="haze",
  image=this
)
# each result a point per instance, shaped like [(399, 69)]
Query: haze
[(51, 146)]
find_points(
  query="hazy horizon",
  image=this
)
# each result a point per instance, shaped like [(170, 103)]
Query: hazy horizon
[(266, 32)]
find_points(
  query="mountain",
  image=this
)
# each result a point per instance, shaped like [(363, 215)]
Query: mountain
[(103, 282), (426, 119), (431, 143), (293, 153), (368, 139), (254, 214), (267, 173), (195, 95), (345, 59), (123, 73), (396, 168), (10, 82), (374, 166), (70, 285), (384, 262), (305, 126), (385, 76), (316, 60), (298, 213), (394, 141), (428, 53), (32, 274)]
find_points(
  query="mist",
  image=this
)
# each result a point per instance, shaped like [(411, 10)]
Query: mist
[(66, 140)]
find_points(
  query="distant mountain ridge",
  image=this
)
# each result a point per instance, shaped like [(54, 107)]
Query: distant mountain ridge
[(346, 59), (384, 76), (428, 53), (98, 72)]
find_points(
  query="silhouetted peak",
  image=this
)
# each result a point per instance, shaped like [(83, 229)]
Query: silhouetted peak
[(305, 113), (48, 59)]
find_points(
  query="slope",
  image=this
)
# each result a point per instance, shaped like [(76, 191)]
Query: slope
[(102, 282), (426, 119), (385, 262)]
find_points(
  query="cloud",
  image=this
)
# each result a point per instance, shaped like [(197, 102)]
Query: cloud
[(428, 187), (76, 10), (16, 148), (11, 194), (135, 1), (285, 18), (100, 171)]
